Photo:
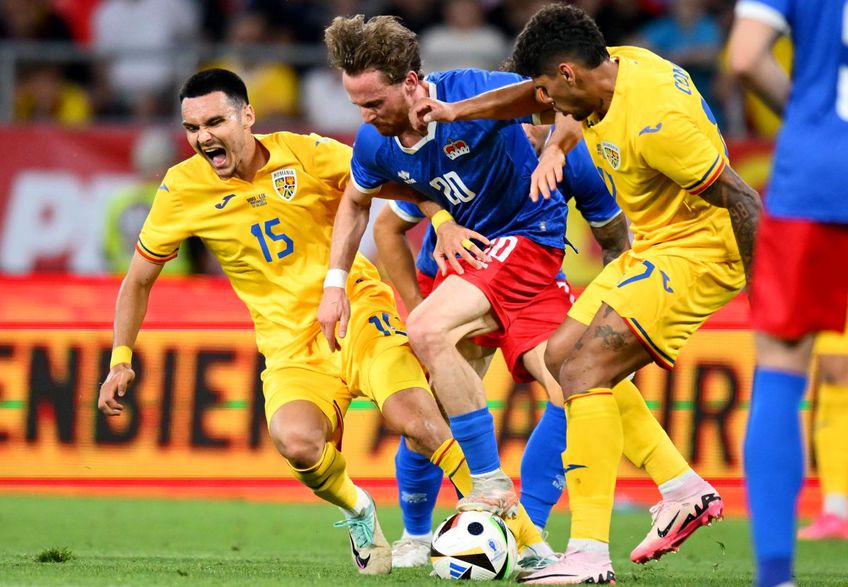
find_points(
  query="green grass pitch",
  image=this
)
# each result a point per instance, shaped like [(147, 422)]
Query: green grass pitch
[(190, 542)]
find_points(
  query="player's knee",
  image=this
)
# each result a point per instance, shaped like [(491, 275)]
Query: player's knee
[(425, 335), (554, 359), (577, 375), (424, 435), (299, 445)]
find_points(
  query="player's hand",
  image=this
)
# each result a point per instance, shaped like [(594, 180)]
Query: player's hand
[(456, 240), (334, 309), (548, 173), (117, 381), (428, 110)]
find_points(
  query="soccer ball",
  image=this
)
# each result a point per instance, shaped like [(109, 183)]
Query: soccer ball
[(473, 545)]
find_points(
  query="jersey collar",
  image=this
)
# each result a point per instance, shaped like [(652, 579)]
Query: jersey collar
[(431, 129)]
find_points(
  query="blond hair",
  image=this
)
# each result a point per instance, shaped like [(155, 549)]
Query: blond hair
[(382, 43)]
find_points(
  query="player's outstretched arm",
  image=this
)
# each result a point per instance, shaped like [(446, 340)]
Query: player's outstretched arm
[(752, 61), (613, 237), (130, 309), (348, 228), (396, 255), (743, 202), (506, 103)]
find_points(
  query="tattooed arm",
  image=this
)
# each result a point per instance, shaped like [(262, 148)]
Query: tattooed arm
[(613, 237), (744, 205)]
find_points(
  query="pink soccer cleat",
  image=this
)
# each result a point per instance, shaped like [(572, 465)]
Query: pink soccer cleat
[(675, 521), (574, 568), (825, 527)]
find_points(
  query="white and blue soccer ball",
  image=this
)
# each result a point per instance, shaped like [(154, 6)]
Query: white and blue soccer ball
[(473, 546)]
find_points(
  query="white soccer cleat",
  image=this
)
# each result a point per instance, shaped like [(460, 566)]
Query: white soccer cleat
[(574, 568), (409, 552), (493, 493), (675, 521), (370, 550)]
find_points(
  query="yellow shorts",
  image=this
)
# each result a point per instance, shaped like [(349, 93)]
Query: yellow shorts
[(663, 298), (375, 360)]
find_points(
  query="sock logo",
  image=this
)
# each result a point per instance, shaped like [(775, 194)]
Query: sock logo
[(408, 497), (572, 467)]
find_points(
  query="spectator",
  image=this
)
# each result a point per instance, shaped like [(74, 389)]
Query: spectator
[(326, 105), (416, 15), (153, 153), (42, 94), (142, 84), (689, 37), (273, 85), (464, 40), (32, 20)]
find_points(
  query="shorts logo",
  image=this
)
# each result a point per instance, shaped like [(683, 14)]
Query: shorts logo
[(457, 148), (285, 183), (611, 153)]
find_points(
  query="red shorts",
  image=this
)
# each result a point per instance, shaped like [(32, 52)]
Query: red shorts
[(528, 304), (800, 277)]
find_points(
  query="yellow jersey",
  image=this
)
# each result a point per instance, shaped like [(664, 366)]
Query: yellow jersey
[(271, 235), (657, 148)]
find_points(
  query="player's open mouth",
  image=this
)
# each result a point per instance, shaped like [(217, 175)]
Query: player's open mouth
[(217, 155)]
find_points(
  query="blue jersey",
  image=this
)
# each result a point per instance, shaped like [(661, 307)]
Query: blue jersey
[(580, 180), (807, 179), (478, 170)]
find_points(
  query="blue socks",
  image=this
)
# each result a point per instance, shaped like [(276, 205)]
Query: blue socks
[(774, 468), (542, 476), (475, 433), (419, 482)]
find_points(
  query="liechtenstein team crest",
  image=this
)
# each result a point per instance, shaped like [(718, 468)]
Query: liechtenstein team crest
[(611, 153), (285, 183)]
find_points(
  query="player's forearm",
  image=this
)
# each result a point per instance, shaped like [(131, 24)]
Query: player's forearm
[(752, 62), (744, 205), (130, 309), (566, 134), (397, 258), (348, 228), (505, 103), (613, 237)]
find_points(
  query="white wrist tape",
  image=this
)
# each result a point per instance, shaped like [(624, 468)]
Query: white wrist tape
[(336, 278)]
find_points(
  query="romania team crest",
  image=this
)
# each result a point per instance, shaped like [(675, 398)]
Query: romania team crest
[(611, 153), (285, 183)]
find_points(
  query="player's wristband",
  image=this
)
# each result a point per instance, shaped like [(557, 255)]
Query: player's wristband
[(440, 218), (121, 354), (335, 278)]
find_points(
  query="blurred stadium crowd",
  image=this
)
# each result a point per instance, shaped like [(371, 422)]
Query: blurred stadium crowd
[(76, 62)]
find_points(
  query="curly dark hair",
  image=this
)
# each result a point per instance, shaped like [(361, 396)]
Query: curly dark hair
[(355, 45), (558, 31)]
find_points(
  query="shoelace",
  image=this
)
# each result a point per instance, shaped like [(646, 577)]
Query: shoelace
[(655, 511), (360, 528)]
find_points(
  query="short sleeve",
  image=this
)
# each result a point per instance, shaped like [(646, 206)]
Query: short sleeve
[(681, 151), (323, 158), (774, 13), (364, 170), (407, 211), (165, 227)]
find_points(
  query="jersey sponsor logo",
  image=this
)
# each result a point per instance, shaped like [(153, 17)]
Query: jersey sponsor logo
[(406, 177), (285, 183), (570, 468), (220, 205), (164, 188), (611, 153), (457, 148), (257, 201)]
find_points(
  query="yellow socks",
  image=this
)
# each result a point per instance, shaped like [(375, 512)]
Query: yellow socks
[(594, 446), (450, 459), (646, 444), (329, 480), (831, 430)]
